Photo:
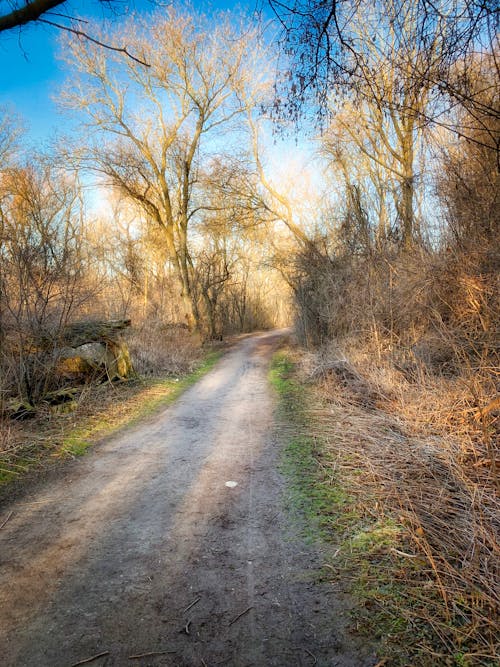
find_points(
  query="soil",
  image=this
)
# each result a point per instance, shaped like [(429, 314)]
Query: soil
[(143, 547)]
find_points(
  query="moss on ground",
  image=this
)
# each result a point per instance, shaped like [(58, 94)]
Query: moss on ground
[(314, 490)]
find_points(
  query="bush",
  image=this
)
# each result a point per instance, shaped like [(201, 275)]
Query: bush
[(160, 348)]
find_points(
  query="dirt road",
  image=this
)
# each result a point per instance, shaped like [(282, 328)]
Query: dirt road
[(142, 546)]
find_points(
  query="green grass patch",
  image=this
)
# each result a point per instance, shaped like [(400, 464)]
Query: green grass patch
[(13, 471), (314, 491), (320, 494)]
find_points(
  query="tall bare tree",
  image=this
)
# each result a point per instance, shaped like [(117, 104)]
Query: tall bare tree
[(385, 90), (327, 52), (150, 127)]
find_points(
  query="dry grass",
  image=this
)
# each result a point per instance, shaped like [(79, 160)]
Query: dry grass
[(26, 445), (160, 349), (413, 451)]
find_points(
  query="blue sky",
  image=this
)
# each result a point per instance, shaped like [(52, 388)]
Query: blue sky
[(30, 72)]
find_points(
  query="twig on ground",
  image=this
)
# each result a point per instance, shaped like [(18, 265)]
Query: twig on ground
[(192, 604), (149, 654), (91, 659), (312, 655), (301, 648), (8, 517), (237, 618), (403, 553)]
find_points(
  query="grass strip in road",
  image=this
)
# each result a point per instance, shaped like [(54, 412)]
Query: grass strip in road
[(315, 492), (101, 411), (322, 497)]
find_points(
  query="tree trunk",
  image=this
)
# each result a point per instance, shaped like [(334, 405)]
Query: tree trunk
[(190, 314), (210, 312), (407, 212)]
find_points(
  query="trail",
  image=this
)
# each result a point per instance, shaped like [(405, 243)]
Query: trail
[(142, 547)]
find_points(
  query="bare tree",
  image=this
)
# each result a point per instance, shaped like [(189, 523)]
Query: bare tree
[(150, 125), (386, 93), (381, 152), (42, 270), (329, 54)]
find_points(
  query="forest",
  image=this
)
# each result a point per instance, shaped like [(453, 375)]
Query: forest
[(332, 167)]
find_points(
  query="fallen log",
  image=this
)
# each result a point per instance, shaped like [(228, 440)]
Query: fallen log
[(89, 331), (110, 357), (96, 345), (82, 351)]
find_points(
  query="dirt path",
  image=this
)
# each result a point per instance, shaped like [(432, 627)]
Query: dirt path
[(141, 546)]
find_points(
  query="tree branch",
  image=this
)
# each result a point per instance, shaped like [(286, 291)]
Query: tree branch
[(84, 35), (30, 11)]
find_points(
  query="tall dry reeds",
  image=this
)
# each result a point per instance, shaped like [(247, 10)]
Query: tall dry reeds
[(412, 452)]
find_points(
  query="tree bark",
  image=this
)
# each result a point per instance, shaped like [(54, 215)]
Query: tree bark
[(30, 11), (407, 212)]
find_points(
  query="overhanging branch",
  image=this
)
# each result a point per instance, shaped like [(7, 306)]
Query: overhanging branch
[(30, 11)]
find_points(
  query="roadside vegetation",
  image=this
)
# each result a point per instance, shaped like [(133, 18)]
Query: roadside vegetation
[(57, 433), (398, 520), (398, 315), (383, 250)]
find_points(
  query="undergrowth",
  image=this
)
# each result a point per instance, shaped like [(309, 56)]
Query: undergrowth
[(99, 412), (315, 490), (379, 554)]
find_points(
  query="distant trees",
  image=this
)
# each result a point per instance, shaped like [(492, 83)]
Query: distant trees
[(62, 265)]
